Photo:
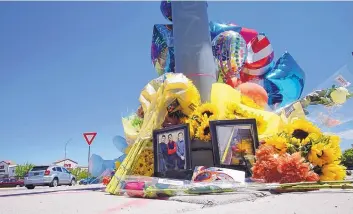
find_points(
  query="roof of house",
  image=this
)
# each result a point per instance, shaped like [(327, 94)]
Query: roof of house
[(67, 159), (8, 162)]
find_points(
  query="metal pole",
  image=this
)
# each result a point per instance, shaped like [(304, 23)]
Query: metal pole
[(192, 45), (89, 154), (67, 142)]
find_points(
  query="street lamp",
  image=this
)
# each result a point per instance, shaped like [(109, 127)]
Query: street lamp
[(67, 142)]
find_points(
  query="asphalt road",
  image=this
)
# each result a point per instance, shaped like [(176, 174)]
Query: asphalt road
[(92, 200)]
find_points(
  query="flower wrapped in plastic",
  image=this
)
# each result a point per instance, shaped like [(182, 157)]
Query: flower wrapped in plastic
[(300, 152)]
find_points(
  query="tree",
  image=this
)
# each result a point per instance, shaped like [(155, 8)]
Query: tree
[(347, 158), (22, 170), (80, 173)]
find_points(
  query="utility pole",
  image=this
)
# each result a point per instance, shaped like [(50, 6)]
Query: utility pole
[(67, 142)]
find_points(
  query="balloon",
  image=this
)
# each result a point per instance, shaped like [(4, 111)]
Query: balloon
[(162, 49), (250, 78), (218, 28), (232, 81), (166, 9), (255, 92), (97, 165), (229, 50), (285, 82), (260, 56), (121, 158), (120, 143)]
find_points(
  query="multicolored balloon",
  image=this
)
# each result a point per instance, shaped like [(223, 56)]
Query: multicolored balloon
[(162, 49), (217, 28), (285, 82), (229, 50), (166, 9), (260, 56)]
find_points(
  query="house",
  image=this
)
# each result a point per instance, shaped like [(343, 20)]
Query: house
[(67, 163), (7, 169)]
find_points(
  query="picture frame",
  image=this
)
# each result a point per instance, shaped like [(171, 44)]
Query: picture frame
[(170, 161), (234, 143)]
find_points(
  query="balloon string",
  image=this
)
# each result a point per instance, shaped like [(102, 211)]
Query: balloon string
[(200, 74)]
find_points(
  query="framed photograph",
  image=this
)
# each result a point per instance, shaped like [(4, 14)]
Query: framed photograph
[(234, 143), (171, 147)]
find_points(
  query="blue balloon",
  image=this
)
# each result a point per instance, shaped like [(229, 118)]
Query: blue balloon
[(166, 9), (120, 143), (97, 165), (121, 158), (217, 28), (285, 82)]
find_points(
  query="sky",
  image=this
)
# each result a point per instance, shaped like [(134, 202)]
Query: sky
[(73, 67)]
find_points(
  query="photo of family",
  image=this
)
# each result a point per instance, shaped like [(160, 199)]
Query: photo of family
[(171, 150)]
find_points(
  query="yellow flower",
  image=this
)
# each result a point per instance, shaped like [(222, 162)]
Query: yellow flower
[(333, 172), (204, 132), (339, 95), (244, 147), (280, 143), (295, 141), (334, 140), (208, 109), (301, 128), (321, 154), (250, 102), (260, 122), (233, 111), (144, 163)]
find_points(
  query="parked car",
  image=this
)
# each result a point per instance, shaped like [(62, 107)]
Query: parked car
[(91, 180), (51, 176), (11, 182)]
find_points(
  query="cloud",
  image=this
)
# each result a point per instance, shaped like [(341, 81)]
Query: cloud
[(348, 135)]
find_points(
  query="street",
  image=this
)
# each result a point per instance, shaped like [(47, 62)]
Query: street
[(92, 200)]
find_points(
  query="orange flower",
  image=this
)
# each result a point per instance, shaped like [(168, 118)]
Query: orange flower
[(275, 168), (294, 169)]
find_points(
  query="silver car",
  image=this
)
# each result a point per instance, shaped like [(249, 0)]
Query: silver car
[(48, 176)]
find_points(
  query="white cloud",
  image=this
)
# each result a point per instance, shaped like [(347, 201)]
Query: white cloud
[(348, 135)]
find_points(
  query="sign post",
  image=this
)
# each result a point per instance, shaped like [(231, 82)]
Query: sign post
[(89, 137)]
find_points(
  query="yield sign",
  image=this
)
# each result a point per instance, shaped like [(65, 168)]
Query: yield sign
[(89, 137)]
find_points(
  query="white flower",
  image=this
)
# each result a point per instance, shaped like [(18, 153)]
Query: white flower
[(339, 95)]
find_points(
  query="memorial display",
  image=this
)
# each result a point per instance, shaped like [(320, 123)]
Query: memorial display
[(253, 117)]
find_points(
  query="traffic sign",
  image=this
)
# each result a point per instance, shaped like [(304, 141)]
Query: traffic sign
[(89, 137)]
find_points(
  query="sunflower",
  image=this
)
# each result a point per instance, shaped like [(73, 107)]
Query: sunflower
[(234, 110), (334, 140), (204, 132), (144, 164), (193, 125), (321, 154), (278, 142), (333, 172), (311, 138), (208, 109), (244, 147), (250, 102), (260, 122), (301, 129)]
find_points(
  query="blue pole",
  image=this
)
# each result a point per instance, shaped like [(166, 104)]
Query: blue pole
[(192, 45)]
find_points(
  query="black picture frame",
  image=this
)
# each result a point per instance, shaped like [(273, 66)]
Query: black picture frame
[(244, 124), (161, 159)]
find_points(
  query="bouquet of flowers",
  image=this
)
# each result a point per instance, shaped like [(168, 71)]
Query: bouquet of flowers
[(301, 152)]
